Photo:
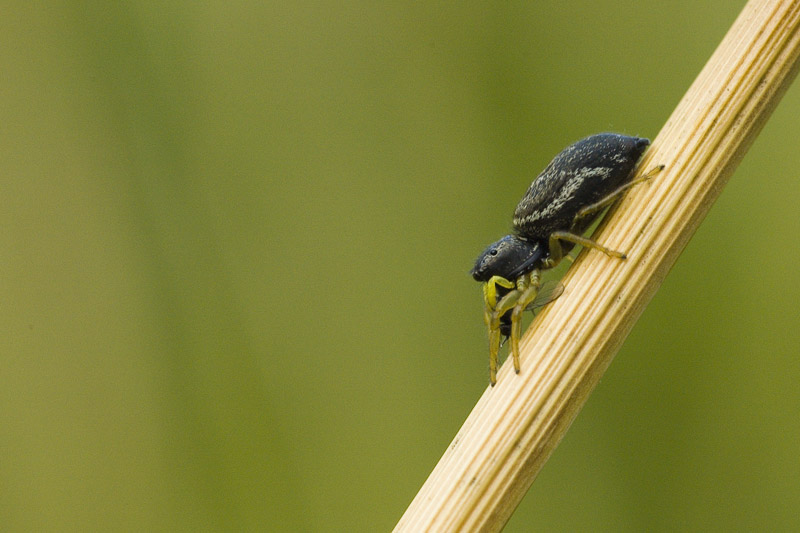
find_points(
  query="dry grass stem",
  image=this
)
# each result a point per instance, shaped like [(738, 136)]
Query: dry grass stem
[(515, 426)]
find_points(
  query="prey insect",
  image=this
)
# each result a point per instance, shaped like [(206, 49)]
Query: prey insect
[(548, 292), (558, 207)]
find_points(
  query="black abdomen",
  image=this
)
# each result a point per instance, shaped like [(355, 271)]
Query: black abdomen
[(582, 174)]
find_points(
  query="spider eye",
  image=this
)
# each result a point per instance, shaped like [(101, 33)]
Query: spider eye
[(493, 252)]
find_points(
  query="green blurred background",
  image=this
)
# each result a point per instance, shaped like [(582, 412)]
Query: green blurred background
[(235, 250)]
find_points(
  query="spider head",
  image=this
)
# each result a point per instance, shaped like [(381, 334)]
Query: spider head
[(509, 258)]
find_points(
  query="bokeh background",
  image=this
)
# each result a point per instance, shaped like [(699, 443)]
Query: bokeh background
[(234, 262)]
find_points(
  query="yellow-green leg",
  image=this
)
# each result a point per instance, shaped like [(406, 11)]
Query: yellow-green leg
[(506, 303), (490, 290), (494, 348), (554, 244), (527, 296), (556, 253), (616, 193), (492, 321), (517, 300)]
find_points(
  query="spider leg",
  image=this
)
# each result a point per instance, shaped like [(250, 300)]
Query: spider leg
[(505, 304), (490, 297), (529, 288), (556, 253), (490, 290), (616, 193), (494, 348)]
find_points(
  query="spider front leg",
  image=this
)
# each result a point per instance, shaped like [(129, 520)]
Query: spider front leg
[(490, 290), (516, 301), (531, 282), (490, 300)]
